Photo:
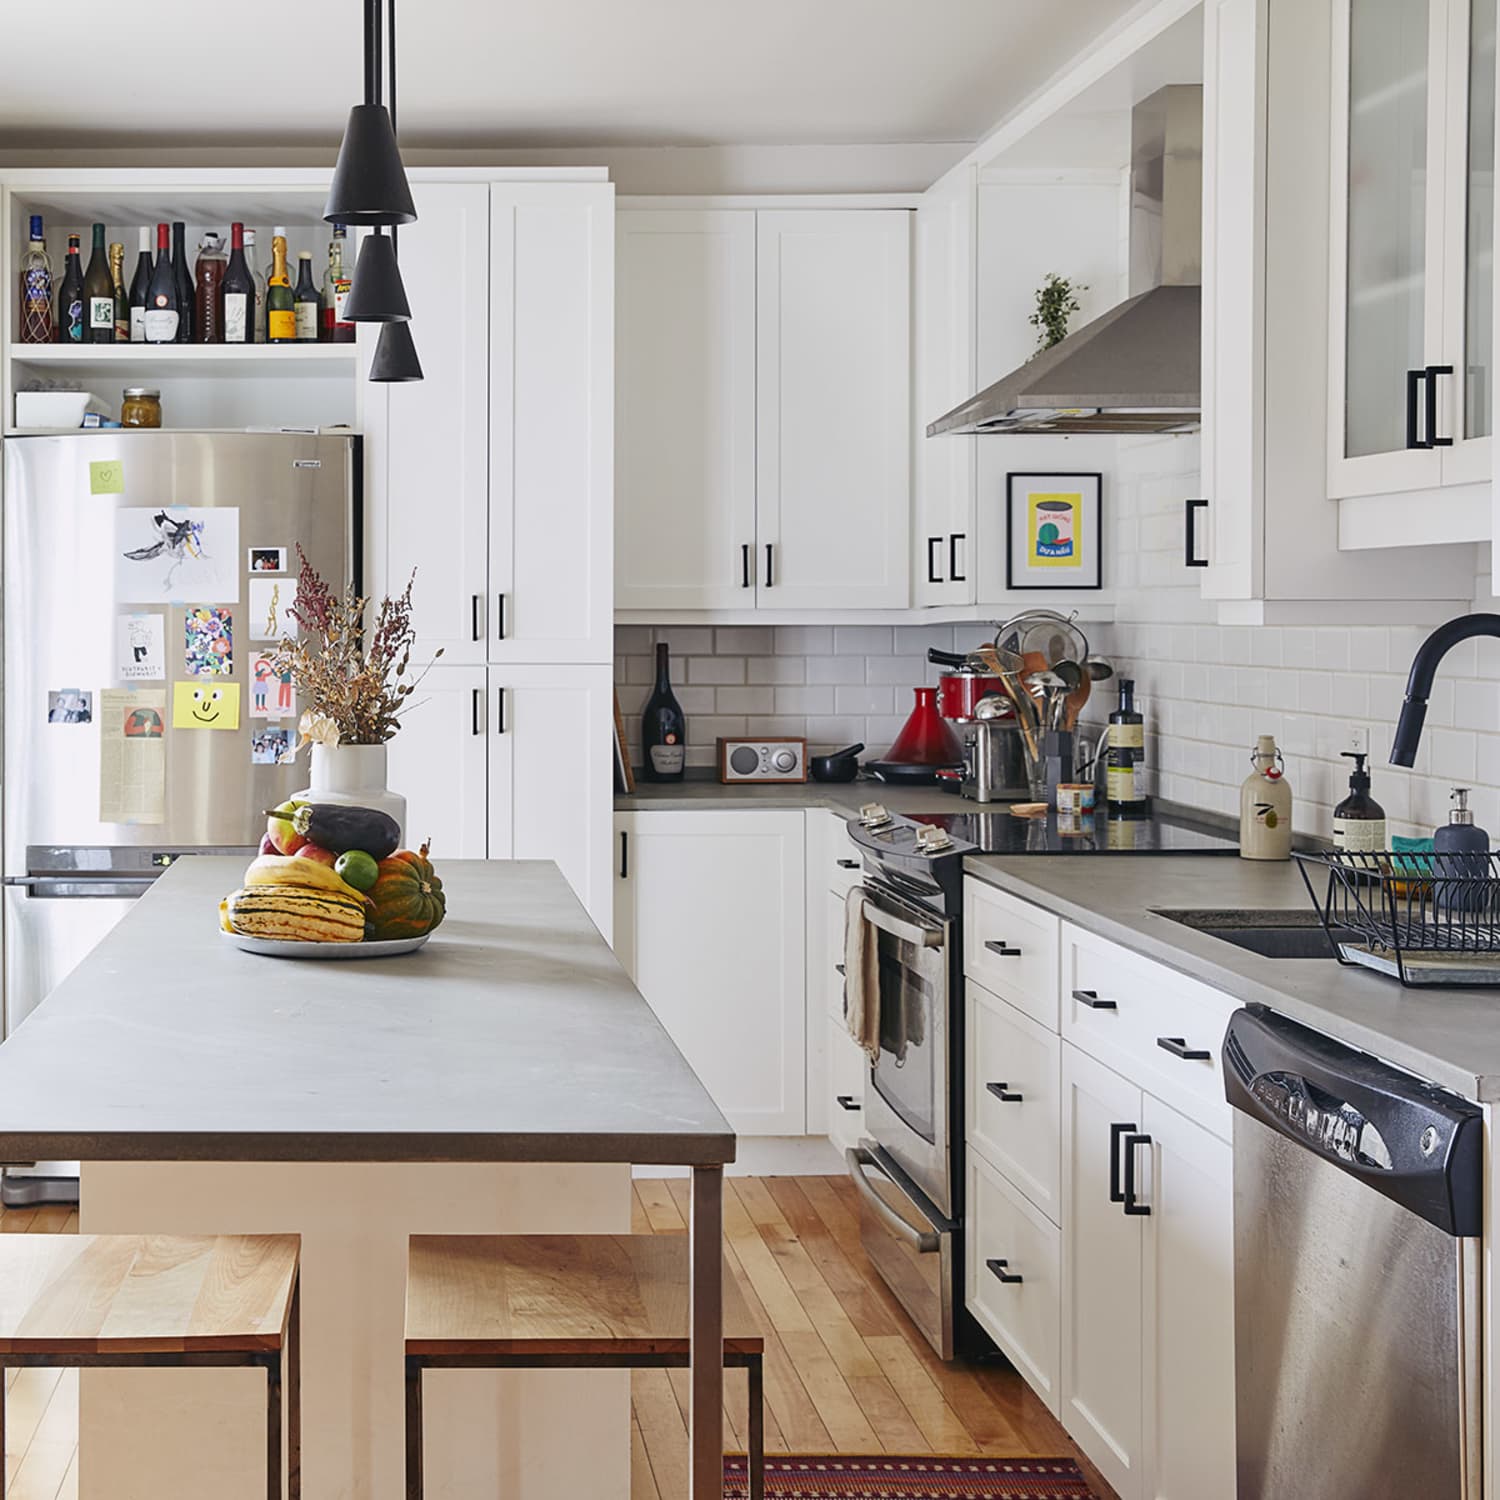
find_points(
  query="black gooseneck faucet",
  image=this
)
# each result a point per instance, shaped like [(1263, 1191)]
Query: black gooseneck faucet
[(1424, 667)]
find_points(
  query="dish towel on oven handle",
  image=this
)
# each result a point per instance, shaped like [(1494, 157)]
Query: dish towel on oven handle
[(874, 1027)]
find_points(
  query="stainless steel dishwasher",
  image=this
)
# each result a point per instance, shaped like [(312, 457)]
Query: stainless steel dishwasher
[(1357, 1196)]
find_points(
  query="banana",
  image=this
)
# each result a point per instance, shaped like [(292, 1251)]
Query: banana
[(280, 869)]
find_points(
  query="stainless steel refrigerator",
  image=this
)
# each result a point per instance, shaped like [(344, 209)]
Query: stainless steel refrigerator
[(147, 576)]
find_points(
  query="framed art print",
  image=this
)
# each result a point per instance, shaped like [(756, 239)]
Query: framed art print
[(1053, 531)]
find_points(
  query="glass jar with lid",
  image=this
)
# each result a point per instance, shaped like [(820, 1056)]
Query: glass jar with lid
[(140, 407)]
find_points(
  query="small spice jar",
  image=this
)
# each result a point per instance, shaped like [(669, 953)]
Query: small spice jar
[(140, 407)]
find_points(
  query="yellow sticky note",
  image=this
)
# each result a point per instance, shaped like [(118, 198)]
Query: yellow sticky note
[(106, 476), (205, 705)]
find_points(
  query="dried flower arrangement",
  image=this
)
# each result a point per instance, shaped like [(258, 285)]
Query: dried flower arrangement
[(353, 681)]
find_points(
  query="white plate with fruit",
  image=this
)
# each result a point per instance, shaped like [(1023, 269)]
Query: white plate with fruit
[(330, 882)]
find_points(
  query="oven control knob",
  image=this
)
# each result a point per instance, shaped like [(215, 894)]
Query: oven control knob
[(784, 760)]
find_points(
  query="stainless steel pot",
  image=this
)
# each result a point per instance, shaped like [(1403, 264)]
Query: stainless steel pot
[(994, 761)]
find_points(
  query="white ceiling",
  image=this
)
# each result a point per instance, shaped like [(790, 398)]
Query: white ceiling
[(550, 72)]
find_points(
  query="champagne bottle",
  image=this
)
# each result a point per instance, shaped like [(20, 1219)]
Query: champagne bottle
[(183, 275), (309, 302), (163, 315), (281, 306), (140, 288), (1125, 753), (98, 294), (36, 289), (70, 313), (239, 292), (122, 302), (663, 728)]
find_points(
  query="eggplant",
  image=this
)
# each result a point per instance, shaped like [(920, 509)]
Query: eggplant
[(333, 826)]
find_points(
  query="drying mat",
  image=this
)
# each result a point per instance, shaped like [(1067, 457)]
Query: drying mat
[(893, 1478)]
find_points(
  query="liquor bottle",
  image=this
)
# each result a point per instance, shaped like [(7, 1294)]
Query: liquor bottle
[(260, 288), (208, 310), (122, 302), (1125, 753), (281, 306), (36, 288), (239, 292), (309, 301), (183, 277), (663, 729), (163, 316), (140, 288), (70, 316), (98, 294), (335, 289)]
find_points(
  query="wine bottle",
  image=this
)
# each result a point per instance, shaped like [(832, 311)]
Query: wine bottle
[(335, 289), (663, 728), (260, 287), (163, 315), (239, 292), (1125, 753), (183, 276), (281, 306), (122, 302), (70, 315), (140, 288), (36, 288), (98, 294), (208, 271), (309, 302)]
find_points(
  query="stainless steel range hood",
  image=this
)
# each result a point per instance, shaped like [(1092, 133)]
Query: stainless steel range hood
[(1136, 368)]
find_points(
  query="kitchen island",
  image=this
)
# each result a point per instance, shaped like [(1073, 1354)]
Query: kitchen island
[(502, 1079)]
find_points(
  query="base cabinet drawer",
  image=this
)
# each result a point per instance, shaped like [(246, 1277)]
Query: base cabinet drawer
[(1010, 947), (1013, 1270), (1012, 1071), (846, 1087)]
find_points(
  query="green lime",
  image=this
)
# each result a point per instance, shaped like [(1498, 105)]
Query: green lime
[(358, 869)]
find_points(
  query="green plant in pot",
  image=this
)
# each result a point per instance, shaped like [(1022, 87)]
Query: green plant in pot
[(1056, 302)]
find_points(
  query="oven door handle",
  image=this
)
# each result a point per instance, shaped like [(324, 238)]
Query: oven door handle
[(857, 1158), (910, 932)]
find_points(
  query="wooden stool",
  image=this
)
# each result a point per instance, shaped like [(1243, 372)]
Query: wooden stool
[(562, 1302), (83, 1301)]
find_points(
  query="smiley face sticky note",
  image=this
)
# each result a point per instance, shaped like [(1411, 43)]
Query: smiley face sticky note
[(205, 705)]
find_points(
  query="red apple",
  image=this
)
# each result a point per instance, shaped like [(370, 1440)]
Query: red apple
[(284, 838), (267, 845), (315, 851)]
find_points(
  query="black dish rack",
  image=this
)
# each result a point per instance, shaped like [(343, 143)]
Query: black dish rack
[(1425, 919)]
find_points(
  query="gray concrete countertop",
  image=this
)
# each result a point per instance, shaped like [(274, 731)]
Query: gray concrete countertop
[(1449, 1035), (704, 795), (514, 1035)]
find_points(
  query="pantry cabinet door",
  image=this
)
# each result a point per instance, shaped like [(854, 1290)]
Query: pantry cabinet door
[(551, 777), (551, 415), (685, 399), (833, 408), (710, 918), (428, 485), (1101, 1276), (437, 762), (1188, 1310)]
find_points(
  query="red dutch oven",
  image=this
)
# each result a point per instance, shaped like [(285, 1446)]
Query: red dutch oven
[(962, 686)]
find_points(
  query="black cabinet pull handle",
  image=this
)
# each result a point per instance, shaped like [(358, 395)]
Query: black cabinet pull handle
[(839, 969), (1116, 1193), (1178, 1047), (1003, 1093), (499, 617), (624, 854), (474, 616), (1003, 949), (849, 1102), (932, 575), (1190, 534), (997, 1269), (770, 576), (745, 579), (848, 864), (954, 576), (1414, 378), (1132, 1205), (500, 701), (1433, 440), (1091, 999), (478, 720)]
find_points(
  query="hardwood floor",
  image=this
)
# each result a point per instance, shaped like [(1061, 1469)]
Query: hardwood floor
[(846, 1371)]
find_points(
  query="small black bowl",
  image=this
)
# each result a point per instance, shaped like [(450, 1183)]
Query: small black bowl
[(840, 765)]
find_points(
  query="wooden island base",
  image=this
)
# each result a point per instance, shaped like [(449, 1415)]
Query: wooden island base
[(181, 1435)]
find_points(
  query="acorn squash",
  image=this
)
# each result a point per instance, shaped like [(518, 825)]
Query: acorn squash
[(407, 898)]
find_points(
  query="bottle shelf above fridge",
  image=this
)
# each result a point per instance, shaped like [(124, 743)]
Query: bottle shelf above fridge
[(125, 356)]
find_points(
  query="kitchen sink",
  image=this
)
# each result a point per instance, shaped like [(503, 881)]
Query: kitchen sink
[(1273, 934)]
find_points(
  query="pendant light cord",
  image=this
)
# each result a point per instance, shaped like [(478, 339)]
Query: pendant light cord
[(372, 51), (391, 50)]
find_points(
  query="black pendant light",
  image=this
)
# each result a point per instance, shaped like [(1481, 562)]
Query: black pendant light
[(376, 293), (395, 356), (369, 182)]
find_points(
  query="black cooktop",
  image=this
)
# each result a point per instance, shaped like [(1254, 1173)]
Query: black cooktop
[(997, 831)]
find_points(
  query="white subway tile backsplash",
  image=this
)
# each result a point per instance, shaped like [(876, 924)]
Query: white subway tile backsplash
[(744, 640), (804, 640), (743, 700), (775, 669), (716, 669), (863, 700), (804, 700), (863, 640), (834, 669)]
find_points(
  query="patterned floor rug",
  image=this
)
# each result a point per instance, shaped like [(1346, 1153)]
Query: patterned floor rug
[(893, 1478)]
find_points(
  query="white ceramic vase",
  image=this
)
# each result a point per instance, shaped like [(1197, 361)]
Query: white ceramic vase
[(354, 776)]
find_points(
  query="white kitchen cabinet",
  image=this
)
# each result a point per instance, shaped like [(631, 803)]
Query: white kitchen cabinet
[(833, 407), (438, 763), (1102, 1264), (551, 423), (685, 398), (847, 1071), (550, 774), (1187, 1311), (943, 346), (710, 920)]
